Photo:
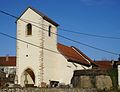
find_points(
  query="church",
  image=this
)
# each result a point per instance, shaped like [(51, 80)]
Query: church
[(39, 57)]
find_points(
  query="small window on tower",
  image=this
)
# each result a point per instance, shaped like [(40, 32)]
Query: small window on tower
[(29, 29), (49, 31)]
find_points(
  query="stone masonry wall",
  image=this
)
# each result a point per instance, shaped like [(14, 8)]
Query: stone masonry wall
[(46, 90), (103, 82), (100, 82), (92, 79)]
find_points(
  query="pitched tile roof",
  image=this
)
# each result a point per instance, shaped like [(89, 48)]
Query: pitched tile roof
[(72, 54), (8, 61), (42, 15), (104, 64), (118, 63)]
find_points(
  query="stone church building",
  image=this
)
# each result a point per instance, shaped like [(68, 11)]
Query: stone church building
[(39, 57)]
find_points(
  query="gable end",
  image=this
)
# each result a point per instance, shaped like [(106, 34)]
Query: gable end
[(41, 14)]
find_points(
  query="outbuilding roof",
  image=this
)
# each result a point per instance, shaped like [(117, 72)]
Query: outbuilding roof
[(104, 64), (8, 61)]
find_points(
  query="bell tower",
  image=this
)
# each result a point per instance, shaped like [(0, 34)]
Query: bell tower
[(36, 32)]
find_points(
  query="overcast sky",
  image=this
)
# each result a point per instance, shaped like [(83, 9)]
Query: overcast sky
[(98, 17)]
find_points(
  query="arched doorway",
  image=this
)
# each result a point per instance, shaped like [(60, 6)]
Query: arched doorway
[(28, 78)]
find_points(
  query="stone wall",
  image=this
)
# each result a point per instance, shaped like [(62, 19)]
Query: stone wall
[(98, 79), (84, 82), (46, 90), (103, 82)]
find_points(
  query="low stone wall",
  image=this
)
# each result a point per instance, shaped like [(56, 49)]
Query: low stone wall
[(46, 90), (98, 79), (85, 82), (103, 82)]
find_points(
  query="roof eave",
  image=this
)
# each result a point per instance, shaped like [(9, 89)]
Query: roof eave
[(88, 65), (86, 57)]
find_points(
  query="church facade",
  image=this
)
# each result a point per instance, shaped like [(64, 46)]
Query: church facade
[(39, 58)]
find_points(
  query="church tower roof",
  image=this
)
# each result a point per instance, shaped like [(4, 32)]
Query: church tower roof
[(41, 14)]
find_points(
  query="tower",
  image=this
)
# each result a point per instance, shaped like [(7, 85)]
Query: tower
[(34, 62)]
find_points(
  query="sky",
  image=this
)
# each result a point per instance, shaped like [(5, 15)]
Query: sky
[(98, 17)]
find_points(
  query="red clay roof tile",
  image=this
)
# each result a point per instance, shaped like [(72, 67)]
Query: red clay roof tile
[(104, 64), (8, 61), (72, 55)]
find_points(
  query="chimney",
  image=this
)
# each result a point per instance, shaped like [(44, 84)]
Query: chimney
[(7, 57), (119, 58)]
